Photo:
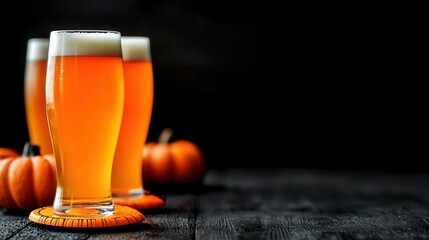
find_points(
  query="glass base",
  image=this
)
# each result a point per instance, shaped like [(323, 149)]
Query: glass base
[(123, 215), (127, 195), (85, 210), (144, 201)]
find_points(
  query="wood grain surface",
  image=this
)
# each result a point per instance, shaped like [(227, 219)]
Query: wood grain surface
[(269, 204)]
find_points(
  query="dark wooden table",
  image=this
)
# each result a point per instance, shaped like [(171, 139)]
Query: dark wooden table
[(270, 204)]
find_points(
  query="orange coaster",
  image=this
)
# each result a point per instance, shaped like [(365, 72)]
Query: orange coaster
[(123, 215), (145, 201)]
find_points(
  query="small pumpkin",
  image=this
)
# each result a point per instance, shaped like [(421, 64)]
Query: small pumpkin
[(8, 152), (177, 162), (27, 180)]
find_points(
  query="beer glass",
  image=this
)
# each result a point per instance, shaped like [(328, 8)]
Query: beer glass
[(84, 104), (138, 79), (34, 93)]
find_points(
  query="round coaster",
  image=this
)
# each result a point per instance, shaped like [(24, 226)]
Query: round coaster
[(123, 215), (144, 201)]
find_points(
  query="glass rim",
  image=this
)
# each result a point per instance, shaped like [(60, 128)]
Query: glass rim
[(135, 37), (86, 31)]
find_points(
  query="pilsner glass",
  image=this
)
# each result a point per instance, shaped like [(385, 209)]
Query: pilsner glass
[(34, 93), (138, 79), (84, 104)]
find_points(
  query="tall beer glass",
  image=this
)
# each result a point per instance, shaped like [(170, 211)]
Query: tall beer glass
[(138, 77), (85, 99), (34, 93)]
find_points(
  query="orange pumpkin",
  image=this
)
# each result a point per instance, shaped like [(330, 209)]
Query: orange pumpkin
[(27, 181), (178, 162), (8, 152)]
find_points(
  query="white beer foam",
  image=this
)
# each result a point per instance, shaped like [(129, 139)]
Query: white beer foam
[(135, 48), (85, 43), (37, 49)]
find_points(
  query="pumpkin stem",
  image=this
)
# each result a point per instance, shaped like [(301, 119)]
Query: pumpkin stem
[(165, 136), (30, 150)]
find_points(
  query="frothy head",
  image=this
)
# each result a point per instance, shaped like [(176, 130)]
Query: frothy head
[(135, 48), (85, 43), (37, 49)]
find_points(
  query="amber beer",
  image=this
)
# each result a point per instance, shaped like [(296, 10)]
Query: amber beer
[(85, 99), (34, 93), (138, 77)]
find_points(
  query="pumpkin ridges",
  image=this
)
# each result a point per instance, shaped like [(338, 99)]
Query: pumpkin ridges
[(160, 164), (146, 164), (44, 191), (28, 180), (180, 161), (182, 171), (51, 159), (21, 181), (6, 199), (189, 166)]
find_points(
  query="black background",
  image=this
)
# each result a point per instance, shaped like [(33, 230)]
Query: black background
[(335, 85)]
